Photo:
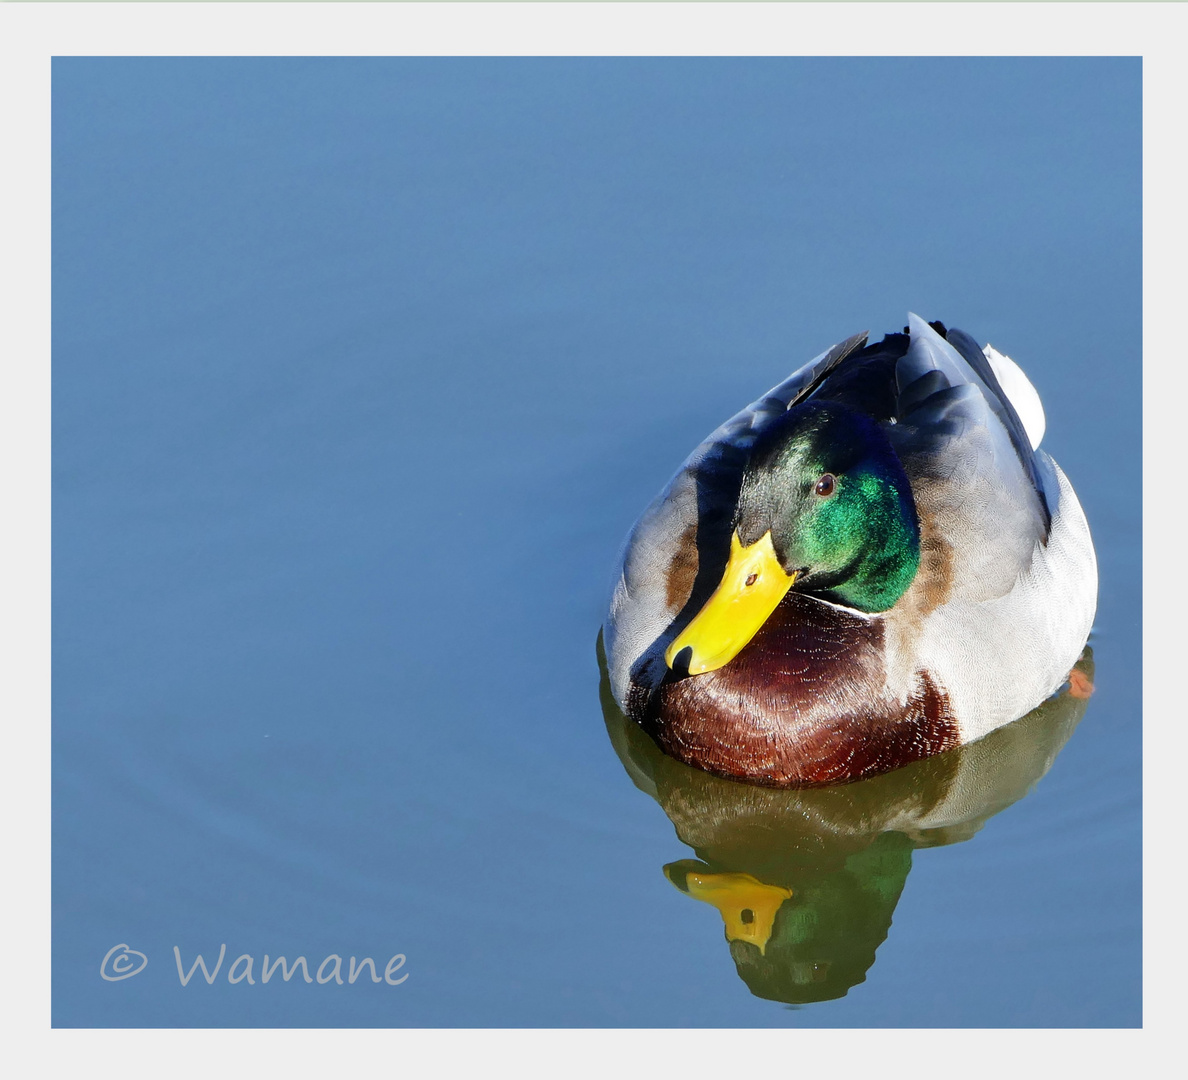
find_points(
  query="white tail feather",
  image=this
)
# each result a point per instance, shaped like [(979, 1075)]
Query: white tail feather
[(1018, 388)]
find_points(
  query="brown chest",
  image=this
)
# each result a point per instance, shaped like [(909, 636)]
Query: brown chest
[(803, 704)]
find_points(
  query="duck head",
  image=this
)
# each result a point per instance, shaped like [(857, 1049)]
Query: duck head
[(824, 507)]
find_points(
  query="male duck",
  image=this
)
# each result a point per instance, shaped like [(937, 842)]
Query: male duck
[(871, 564)]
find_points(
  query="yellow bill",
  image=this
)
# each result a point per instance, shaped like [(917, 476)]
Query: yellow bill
[(752, 586), (747, 905)]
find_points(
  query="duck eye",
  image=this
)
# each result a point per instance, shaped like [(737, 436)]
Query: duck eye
[(752, 579), (826, 485)]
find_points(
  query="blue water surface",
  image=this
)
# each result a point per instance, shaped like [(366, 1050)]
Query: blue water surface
[(362, 370)]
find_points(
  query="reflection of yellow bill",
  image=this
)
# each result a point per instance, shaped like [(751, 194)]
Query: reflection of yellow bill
[(748, 907), (752, 586)]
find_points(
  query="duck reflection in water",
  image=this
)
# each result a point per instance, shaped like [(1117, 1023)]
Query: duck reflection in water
[(806, 881)]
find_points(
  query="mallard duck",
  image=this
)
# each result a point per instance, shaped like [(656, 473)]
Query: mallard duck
[(871, 564)]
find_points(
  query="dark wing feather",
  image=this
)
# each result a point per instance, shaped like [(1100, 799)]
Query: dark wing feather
[(967, 463), (803, 382), (1001, 404)]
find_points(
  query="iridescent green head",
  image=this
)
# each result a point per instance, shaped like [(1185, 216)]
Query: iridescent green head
[(824, 507), (826, 483)]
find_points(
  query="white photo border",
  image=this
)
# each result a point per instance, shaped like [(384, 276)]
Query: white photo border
[(31, 34)]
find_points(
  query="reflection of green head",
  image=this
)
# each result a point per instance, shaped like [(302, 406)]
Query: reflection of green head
[(824, 938), (806, 882)]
